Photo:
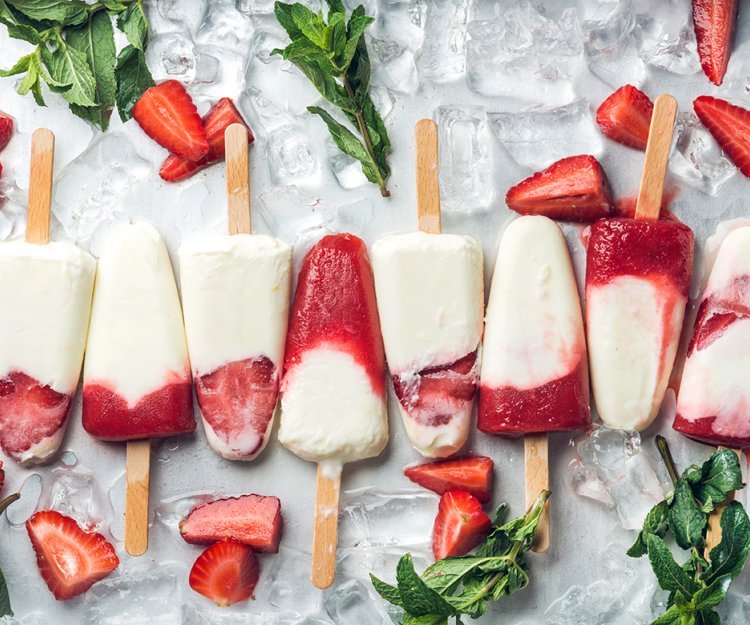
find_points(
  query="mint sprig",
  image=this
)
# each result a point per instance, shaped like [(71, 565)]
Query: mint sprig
[(464, 585), (699, 585), (75, 53), (333, 56)]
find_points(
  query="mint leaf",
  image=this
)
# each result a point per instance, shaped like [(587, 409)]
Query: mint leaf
[(668, 573), (133, 78), (418, 599), (390, 593), (62, 12), (429, 619), (135, 26), (686, 519), (656, 522), (713, 595), (673, 616), (19, 27), (729, 556), (719, 476), (70, 70)]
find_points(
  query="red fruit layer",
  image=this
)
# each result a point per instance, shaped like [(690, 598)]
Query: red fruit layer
[(716, 314), (714, 22), (435, 395), (167, 411), (225, 573), (634, 247), (238, 401), (473, 475), (29, 413), (703, 430), (253, 520), (460, 525), (625, 117), (730, 126), (335, 304), (6, 130), (561, 405), (2, 475)]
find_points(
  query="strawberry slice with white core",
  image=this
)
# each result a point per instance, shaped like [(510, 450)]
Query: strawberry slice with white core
[(625, 117), (460, 525), (225, 573), (6, 130), (715, 22), (730, 126)]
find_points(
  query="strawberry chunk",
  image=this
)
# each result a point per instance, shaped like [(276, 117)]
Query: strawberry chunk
[(167, 115), (625, 117), (460, 526), (473, 475), (253, 520), (222, 115), (730, 126), (226, 573), (572, 189), (714, 30), (70, 559), (6, 129)]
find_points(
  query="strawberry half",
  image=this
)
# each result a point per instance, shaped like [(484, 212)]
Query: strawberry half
[(253, 520), (461, 525), (572, 189), (226, 573), (6, 130), (730, 126), (625, 117), (167, 115), (714, 30), (222, 115), (70, 559), (473, 475)]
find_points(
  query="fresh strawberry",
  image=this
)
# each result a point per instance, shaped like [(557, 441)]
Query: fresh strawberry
[(6, 129), (70, 559), (222, 115), (167, 115), (226, 573), (253, 520), (730, 126), (625, 116), (473, 475), (714, 29), (572, 189), (461, 525)]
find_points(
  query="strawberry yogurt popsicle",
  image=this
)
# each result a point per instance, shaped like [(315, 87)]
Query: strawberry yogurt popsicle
[(534, 371), (235, 292), (45, 301), (637, 283), (430, 294), (136, 375), (714, 397)]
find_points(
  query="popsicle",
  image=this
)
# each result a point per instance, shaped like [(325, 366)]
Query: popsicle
[(45, 301), (136, 377), (235, 295), (637, 282), (333, 388), (430, 293)]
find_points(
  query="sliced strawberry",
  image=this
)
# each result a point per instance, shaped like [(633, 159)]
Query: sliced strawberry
[(730, 126), (226, 573), (167, 115), (460, 525), (222, 115), (6, 129), (714, 29), (625, 116), (253, 520), (572, 189), (70, 559), (473, 475)]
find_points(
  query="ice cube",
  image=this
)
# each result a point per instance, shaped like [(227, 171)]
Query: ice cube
[(735, 609), (394, 66), (348, 170), (34, 618), (222, 616), (261, 113), (352, 602), (287, 574), (207, 68), (19, 511), (189, 14), (288, 212), (254, 7), (290, 157), (223, 79), (666, 35), (171, 55), (359, 563), (224, 25), (593, 605), (538, 137), (172, 510), (382, 99), (402, 21), (464, 158), (75, 492), (697, 158), (443, 53), (116, 496), (68, 458)]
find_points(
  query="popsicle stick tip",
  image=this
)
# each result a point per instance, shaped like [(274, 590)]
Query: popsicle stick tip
[(428, 185), (325, 531), (536, 460), (136, 496), (238, 179), (40, 185)]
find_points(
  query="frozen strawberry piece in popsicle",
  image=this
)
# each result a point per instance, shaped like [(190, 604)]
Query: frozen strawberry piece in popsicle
[(431, 299), (534, 372), (333, 389), (637, 283), (45, 301), (136, 375), (714, 401), (235, 294)]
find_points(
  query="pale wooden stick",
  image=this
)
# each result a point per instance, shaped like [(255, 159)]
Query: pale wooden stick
[(428, 189), (40, 186), (325, 532), (136, 496), (713, 537), (536, 461), (238, 179), (657, 157)]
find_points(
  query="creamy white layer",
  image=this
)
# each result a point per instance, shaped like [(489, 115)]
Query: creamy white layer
[(634, 326), (136, 340), (45, 301), (245, 438), (534, 328), (329, 410), (439, 441), (235, 296), (430, 295)]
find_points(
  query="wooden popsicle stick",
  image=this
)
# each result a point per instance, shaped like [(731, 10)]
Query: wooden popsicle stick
[(325, 531), (40, 186), (428, 188), (238, 179), (713, 536), (657, 156), (536, 462), (136, 496)]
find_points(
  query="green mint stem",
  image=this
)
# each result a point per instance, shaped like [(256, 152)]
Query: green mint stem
[(9, 500), (666, 456)]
